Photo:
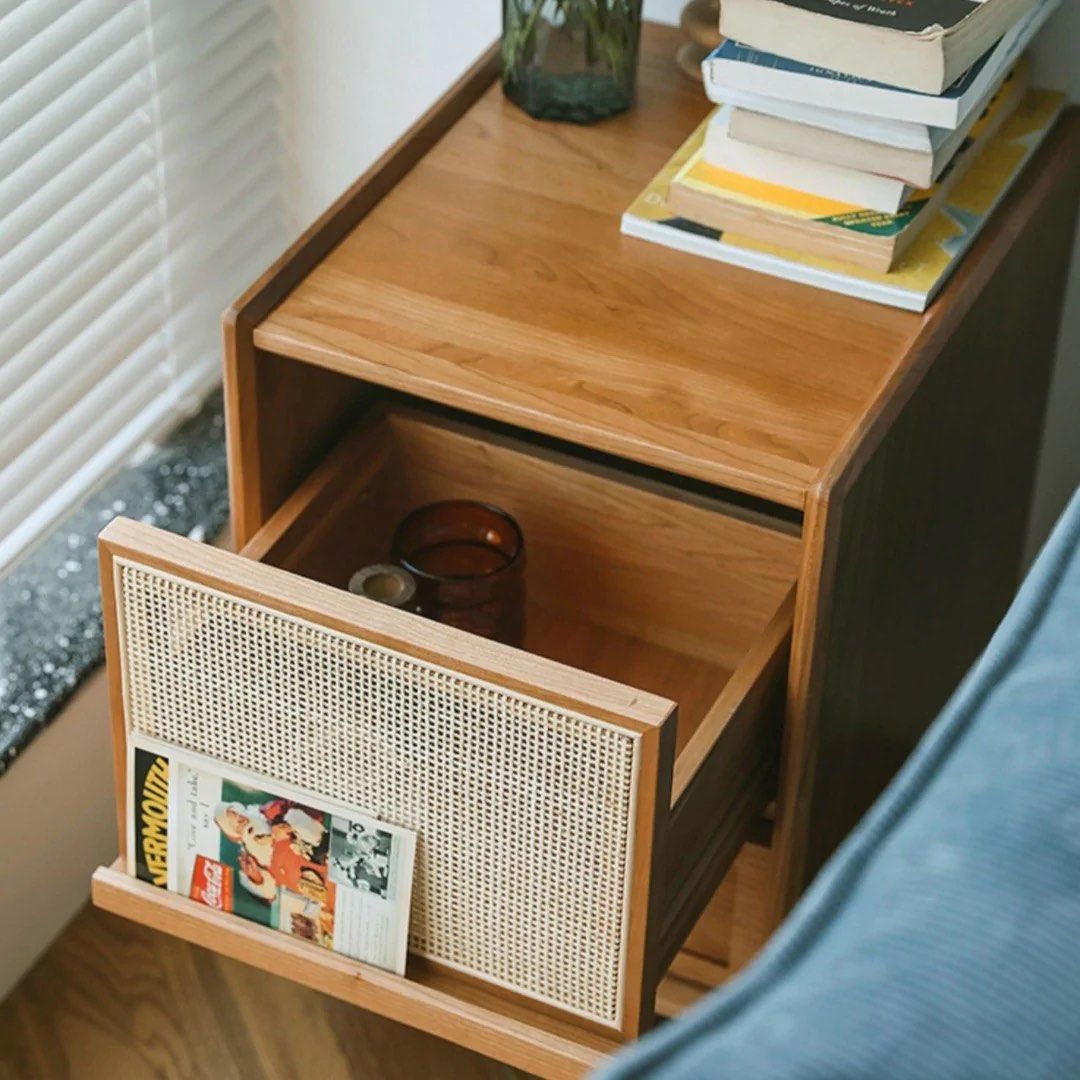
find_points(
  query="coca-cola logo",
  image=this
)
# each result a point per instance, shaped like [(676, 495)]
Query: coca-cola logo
[(213, 893), (211, 884)]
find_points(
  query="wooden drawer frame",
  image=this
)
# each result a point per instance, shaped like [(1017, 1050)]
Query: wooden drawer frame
[(694, 810), (428, 1000)]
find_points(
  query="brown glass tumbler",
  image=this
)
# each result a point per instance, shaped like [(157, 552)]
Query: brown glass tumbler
[(468, 559)]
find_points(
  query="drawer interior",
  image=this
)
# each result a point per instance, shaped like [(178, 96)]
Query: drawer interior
[(645, 595), (627, 578)]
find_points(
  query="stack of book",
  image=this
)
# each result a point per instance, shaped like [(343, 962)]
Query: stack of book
[(857, 146)]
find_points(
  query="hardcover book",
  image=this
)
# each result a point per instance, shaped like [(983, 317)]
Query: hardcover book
[(923, 269), (779, 86), (922, 45)]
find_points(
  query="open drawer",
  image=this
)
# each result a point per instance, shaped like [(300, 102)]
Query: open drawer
[(577, 801)]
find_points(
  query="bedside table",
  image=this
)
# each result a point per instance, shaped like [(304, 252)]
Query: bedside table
[(768, 530)]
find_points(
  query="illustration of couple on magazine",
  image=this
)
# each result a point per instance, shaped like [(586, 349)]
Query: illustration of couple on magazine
[(285, 844)]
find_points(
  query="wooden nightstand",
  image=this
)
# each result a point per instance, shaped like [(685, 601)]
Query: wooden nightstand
[(793, 515)]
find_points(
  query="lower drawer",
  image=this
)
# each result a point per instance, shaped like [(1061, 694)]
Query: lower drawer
[(576, 801)]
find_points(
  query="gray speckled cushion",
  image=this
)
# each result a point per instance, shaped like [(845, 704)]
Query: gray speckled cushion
[(943, 939), (50, 602)]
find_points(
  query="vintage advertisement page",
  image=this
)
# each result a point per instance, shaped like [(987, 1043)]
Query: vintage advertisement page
[(273, 854)]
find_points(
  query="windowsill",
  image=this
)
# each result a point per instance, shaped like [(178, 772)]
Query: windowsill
[(50, 602)]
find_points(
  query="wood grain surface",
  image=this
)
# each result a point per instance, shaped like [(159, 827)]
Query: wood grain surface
[(494, 277), (430, 998), (514, 670), (113, 999), (647, 564)]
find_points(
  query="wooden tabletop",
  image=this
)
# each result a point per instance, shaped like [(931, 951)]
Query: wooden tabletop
[(494, 278)]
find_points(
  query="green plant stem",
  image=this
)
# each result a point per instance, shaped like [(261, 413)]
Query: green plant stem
[(610, 29), (520, 41)]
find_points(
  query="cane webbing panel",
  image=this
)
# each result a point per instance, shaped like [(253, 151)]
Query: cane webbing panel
[(524, 812)]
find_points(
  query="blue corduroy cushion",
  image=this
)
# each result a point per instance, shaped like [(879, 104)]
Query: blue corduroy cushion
[(943, 938)]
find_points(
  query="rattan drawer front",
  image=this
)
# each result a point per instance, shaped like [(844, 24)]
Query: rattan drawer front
[(533, 798), (573, 823)]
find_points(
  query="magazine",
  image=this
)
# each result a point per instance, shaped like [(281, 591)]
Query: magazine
[(275, 855)]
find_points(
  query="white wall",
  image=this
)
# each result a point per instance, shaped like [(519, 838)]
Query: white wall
[(360, 71), (56, 802), (357, 73)]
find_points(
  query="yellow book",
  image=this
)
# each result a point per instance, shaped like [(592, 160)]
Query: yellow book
[(948, 232)]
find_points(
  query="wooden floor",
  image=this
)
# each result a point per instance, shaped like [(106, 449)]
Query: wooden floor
[(114, 1000)]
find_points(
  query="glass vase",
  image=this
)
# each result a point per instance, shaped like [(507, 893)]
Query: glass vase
[(571, 59)]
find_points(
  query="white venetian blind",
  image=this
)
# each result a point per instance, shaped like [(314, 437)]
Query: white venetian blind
[(139, 193)]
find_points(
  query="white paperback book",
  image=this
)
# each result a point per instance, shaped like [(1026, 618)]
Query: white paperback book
[(902, 134), (919, 168), (837, 182), (769, 84)]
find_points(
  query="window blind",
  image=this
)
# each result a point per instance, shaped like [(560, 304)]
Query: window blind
[(140, 179)]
